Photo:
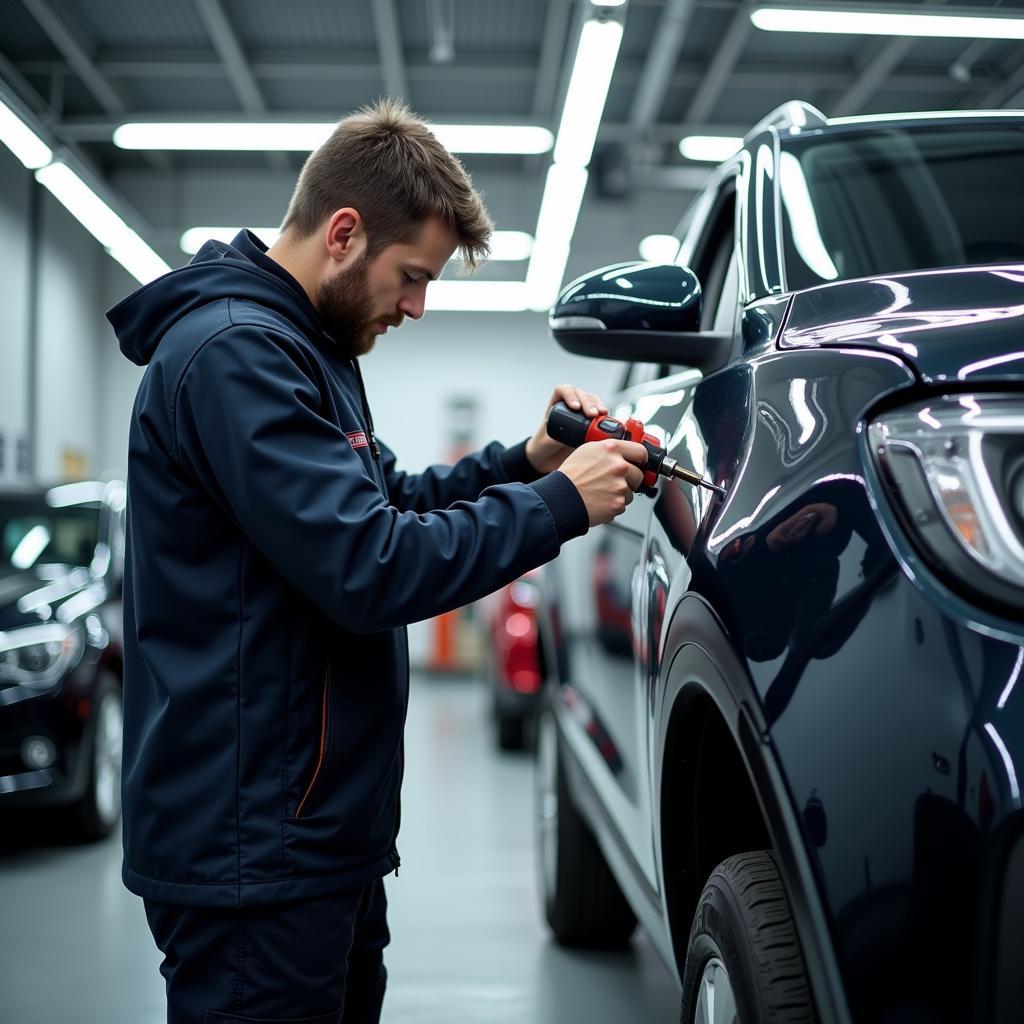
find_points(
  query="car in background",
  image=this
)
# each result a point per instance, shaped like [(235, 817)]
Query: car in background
[(61, 653), (513, 660), (783, 726)]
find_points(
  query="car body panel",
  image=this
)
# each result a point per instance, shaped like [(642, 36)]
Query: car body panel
[(960, 325)]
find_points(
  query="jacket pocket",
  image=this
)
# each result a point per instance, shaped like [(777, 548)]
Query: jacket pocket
[(325, 716)]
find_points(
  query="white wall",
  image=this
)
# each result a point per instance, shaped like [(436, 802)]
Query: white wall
[(14, 319), (69, 324)]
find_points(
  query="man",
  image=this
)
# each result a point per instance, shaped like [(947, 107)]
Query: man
[(275, 555)]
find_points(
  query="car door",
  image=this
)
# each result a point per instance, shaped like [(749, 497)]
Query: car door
[(629, 565)]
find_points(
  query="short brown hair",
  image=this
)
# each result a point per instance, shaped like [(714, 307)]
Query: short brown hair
[(385, 162)]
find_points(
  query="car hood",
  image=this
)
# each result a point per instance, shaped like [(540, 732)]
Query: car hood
[(26, 592), (964, 324)]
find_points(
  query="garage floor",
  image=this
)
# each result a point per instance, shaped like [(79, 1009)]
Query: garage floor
[(467, 941)]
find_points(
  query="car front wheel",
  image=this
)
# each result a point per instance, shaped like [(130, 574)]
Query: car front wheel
[(99, 809), (743, 962), (583, 903)]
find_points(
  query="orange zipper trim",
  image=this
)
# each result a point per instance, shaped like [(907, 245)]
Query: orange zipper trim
[(323, 745)]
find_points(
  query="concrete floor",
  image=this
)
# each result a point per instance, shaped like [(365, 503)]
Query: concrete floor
[(467, 944)]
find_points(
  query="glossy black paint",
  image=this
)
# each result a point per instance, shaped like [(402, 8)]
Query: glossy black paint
[(623, 296), (878, 716), (88, 600), (964, 325)]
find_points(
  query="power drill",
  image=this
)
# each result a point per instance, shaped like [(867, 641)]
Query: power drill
[(573, 429)]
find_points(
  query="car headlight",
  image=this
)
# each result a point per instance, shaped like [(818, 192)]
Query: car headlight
[(39, 655), (954, 467)]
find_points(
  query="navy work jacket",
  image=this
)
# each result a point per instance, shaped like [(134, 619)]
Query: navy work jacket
[(273, 561)]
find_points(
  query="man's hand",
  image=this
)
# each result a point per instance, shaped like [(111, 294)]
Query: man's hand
[(545, 454), (606, 473)]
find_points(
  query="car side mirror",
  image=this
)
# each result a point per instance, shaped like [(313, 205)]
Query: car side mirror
[(638, 312)]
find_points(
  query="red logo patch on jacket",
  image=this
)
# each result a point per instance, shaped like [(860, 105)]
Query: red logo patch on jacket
[(358, 439)]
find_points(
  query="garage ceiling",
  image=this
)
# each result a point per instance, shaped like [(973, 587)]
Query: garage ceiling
[(83, 66)]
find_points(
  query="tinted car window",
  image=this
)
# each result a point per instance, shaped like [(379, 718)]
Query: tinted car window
[(31, 533), (893, 200)]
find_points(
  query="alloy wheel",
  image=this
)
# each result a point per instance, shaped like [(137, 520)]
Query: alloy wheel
[(716, 1002)]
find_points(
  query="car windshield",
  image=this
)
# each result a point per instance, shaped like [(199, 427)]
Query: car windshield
[(32, 533), (897, 199)]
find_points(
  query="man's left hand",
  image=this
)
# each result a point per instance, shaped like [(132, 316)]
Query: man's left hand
[(544, 453)]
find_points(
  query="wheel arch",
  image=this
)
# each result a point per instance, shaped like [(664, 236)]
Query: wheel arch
[(710, 726)]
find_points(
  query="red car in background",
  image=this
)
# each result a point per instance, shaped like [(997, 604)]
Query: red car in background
[(513, 660)]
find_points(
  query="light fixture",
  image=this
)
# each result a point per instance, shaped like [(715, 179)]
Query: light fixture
[(709, 148), (566, 179), (510, 246), (659, 248), (556, 222), (887, 20), (106, 226), (307, 136), (193, 239), (477, 296), (21, 140), (588, 88)]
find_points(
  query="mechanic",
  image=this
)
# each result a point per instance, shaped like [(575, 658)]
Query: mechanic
[(274, 556)]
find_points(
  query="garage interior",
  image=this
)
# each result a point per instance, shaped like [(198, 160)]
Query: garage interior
[(687, 81)]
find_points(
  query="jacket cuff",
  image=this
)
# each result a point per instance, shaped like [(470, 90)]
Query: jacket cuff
[(565, 504), (518, 466)]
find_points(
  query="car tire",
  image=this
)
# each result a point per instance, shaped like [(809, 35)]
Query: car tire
[(98, 811), (743, 961), (511, 730), (582, 902)]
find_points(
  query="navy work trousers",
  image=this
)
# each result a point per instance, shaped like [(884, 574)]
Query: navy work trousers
[(308, 962)]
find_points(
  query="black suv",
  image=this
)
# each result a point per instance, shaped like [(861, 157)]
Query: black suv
[(61, 653), (784, 726)]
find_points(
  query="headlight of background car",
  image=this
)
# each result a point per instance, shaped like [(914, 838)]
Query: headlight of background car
[(39, 655), (955, 469)]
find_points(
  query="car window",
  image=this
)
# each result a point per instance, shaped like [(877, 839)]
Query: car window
[(724, 320), (901, 199), (641, 373)]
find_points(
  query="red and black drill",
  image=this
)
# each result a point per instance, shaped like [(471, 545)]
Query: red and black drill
[(574, 428)]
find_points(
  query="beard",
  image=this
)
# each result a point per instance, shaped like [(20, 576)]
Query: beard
[(346, 309)]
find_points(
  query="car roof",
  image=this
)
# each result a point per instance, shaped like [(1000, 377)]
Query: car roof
[(798, 119)]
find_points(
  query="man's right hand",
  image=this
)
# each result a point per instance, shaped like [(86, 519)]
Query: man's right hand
[(607, 474)]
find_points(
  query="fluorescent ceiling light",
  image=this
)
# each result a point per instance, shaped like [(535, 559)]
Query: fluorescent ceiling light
[(21, 140), (566, 180), (659, 248), (477, 296), (304, 138), (556, 222), (510, 246), (505, 245), (607, 3), (711, 148), (120, 241), (879, 20), (588, 88), (194, 238)]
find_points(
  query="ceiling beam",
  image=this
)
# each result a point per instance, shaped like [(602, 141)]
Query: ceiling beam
[(83, 65), (75, 54), (751, 74), (389, 48), (556, 25), (1007, 93), (661, 62), (722, 65), (229, 49), (875, 73)]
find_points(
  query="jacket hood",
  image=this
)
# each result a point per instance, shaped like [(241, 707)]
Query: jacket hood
[(239, 270)]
